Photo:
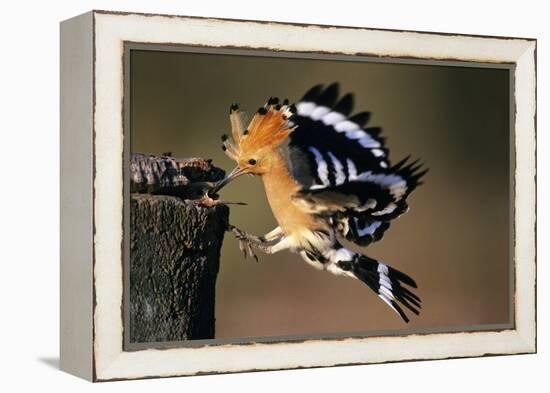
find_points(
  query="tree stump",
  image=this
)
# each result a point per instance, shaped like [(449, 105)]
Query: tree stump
[(174, 249)]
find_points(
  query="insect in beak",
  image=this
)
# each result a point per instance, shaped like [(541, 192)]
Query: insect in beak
[(238, 171)]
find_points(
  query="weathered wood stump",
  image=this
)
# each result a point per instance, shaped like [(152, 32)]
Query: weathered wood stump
[(174, 249)]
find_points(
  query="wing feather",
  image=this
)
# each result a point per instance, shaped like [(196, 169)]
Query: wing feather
[(344, 168)]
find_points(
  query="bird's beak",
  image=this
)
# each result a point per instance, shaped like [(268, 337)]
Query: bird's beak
[(235, 173)]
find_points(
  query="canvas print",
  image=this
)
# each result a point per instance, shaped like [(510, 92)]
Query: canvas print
[(277, 198)]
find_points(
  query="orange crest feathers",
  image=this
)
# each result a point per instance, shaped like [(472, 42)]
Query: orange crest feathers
[(268, 128)]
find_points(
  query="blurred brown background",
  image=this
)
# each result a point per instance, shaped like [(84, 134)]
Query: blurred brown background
[(455, 239)]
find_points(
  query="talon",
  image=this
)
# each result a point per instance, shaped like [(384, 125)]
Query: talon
[(240, 235), (247, 243), (250, 251), (242, 248)]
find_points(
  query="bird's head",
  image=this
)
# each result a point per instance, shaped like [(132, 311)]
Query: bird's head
[(254, 147)]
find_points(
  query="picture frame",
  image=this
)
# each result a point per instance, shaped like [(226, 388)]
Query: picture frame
[(93, 154)]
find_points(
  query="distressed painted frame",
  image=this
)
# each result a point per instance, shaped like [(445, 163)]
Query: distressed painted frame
[(92, 119)]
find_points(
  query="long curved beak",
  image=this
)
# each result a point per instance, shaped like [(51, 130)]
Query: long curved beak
[(235, 173)]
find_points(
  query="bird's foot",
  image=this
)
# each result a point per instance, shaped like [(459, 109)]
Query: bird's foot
[(247, 242)]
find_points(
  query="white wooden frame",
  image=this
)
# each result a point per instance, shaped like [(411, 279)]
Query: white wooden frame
[(92, 194)]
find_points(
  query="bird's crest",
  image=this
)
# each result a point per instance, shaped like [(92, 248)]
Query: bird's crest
[(268, 128)]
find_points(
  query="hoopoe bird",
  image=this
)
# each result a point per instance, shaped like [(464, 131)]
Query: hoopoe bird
[(326, 177)]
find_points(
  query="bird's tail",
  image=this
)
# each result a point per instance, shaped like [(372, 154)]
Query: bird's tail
[(388, 283)]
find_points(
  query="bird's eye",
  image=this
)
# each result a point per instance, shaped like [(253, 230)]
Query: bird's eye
[(252, 161)]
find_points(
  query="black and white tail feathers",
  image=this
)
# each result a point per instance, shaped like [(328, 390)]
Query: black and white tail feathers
[(388, 283)]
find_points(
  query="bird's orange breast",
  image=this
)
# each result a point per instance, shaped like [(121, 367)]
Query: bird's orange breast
[(279, 187)]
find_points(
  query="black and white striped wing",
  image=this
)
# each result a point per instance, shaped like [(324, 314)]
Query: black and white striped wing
[(344, 168), (360, 229)]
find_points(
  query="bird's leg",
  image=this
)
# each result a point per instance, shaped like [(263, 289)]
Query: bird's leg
[(282, 243), (268, 243), (269, 237), (272, 235)]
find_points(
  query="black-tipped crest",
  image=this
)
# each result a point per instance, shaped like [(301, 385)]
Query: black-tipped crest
[(292, 108), (224, 137), (234, 107), (262, 111), (273, 101)]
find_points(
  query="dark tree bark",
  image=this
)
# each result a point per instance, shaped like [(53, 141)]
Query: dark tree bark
[(174, 249)]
